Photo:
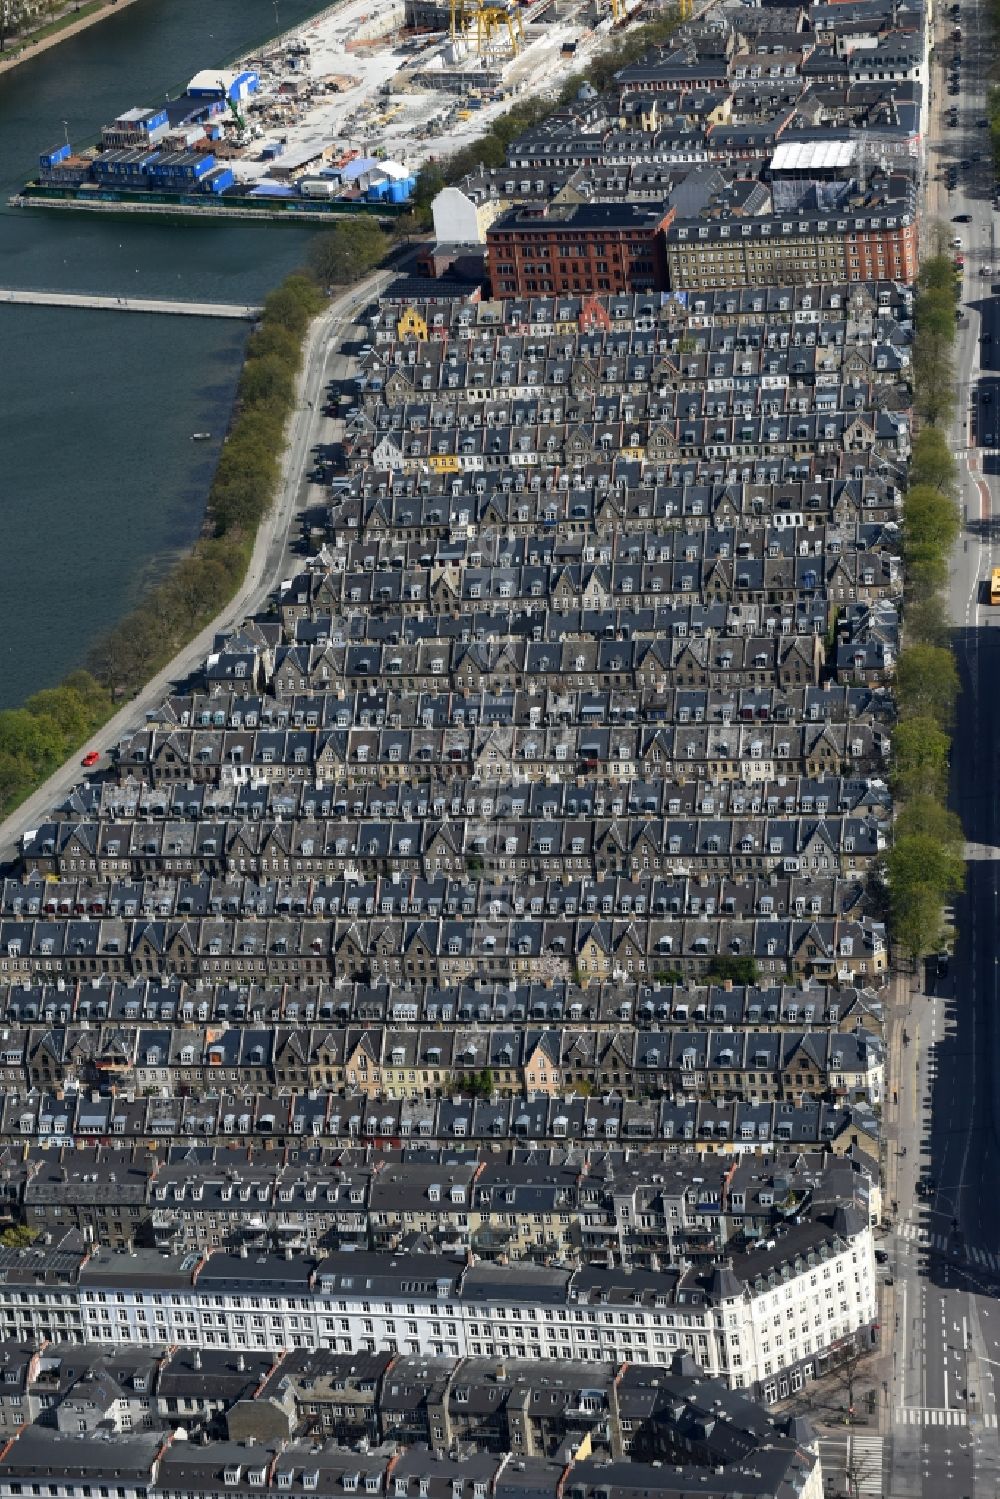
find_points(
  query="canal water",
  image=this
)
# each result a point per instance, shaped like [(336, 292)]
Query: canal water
[(100, 482)]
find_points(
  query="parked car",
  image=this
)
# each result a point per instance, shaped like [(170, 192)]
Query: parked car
[(90, 758)]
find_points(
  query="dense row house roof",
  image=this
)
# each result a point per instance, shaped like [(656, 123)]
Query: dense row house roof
[(570, 761), (166, 1000), (196, 1195), (702, 1126)]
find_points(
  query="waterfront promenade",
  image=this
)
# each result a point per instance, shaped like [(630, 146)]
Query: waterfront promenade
[(239, 310)]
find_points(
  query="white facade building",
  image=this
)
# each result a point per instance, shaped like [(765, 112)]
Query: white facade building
[(766, 1325)]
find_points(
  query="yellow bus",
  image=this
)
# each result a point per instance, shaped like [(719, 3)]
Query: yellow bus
[(995, 586)]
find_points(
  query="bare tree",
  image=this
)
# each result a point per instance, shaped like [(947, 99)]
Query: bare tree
[(847, 1372)]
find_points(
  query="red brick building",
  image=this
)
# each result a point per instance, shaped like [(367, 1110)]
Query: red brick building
[(882, 248), (604, 248)]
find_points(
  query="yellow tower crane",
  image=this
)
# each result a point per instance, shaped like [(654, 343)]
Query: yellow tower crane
[(492, 20)]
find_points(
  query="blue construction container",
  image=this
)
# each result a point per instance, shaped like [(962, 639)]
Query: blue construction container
[(183, 166), (52, 158), (399, 192), (218, 181)]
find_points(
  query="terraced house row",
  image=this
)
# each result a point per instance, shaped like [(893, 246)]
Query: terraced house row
[(565, 1203), (760, 1065), (55, 1118)]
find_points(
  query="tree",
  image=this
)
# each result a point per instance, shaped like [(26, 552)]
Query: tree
[(272, 338), (927, 683), (19, 1236), (934, 387), (923, 876), (920, 758), (932, 461), (267, 379), (925, 816), (926, 621), (926, 571), (406, 226), (934, 310), (937, 273), (348, 252), (292, 305), (725, 968), (430, 181)]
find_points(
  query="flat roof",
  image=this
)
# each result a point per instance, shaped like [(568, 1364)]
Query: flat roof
[(800, 156)]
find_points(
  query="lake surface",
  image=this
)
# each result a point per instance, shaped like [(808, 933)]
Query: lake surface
[(100, 482)]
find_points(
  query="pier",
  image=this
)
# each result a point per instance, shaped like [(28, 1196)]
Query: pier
[(243, 311)]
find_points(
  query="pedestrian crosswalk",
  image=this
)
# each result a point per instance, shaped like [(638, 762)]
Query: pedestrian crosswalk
[(915, 1234), (929, 1416), (866, 1461)]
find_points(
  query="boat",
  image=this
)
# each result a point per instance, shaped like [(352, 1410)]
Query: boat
[(200, 436)]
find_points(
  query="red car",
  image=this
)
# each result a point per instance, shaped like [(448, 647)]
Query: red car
[(90, 758)]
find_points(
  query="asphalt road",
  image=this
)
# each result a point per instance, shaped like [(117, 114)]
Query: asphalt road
[(944, 1319), (323, 360)]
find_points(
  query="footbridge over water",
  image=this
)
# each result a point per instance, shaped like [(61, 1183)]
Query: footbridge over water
[(239, 310)]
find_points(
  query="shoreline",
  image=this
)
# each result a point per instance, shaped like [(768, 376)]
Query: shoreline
[(72, 28)]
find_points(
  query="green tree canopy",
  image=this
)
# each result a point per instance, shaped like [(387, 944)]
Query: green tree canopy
[(430, 180), (927, 683), (930, 517), (935, 310), (268, 379), (924, 815), (348, 251), (923, 876), (920, 758), (272, 338), (737, 970), (932, 461), (926, 621)]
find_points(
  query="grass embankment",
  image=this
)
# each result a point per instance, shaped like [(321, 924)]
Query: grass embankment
[(36, 738), (925, 867)]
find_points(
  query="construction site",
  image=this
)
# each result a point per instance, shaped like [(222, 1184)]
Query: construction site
[(394, 78), (339, 114)]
